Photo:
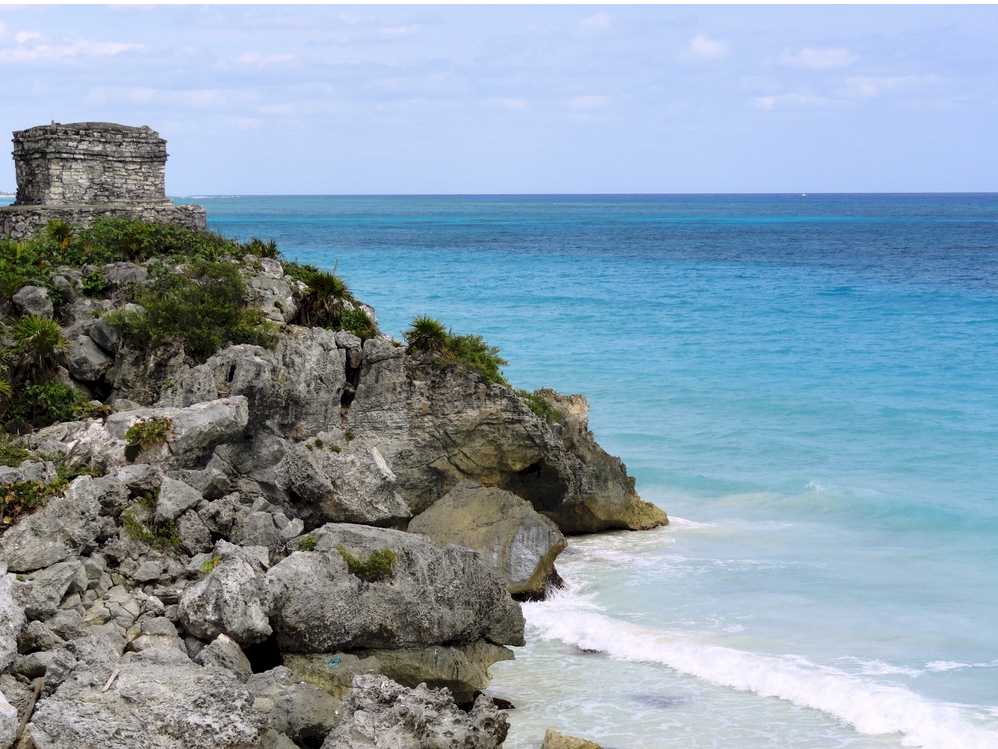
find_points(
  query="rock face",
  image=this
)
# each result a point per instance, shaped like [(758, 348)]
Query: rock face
[(555, 740), (11, 619), (463, 669), (183, 706), (33, 300), (434, 595), (386, 715), (505, 529)]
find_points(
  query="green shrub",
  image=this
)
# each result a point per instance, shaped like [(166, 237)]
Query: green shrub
[(358, 322), (540, 405), (306, 543), (210, 563), (19, 498), (322, 303), (11, 453), (379, 564), (94, 284), (262, 248), (43, 403), (146, 434), (138, 523), (38, 344), (203, 309), (427, 335)]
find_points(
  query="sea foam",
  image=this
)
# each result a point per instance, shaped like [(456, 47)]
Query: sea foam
[(868, 706)]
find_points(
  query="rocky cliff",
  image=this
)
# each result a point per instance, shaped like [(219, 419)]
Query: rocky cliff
[(236, 515)]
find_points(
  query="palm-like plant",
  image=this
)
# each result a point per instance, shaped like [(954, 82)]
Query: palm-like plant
[(426, 334), (38, 342)]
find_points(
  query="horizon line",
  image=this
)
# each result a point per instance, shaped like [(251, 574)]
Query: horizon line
[(793, 193)]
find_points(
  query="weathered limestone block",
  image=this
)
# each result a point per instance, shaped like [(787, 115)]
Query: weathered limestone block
[(555, 740), (33, 300)]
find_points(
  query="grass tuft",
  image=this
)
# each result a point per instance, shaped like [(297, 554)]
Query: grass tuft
[(379, 565)]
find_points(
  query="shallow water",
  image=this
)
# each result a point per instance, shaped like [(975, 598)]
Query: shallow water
[(811, 383)]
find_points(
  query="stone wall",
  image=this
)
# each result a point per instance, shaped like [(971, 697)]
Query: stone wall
[(85, 170), (23, 221), (89, 163)]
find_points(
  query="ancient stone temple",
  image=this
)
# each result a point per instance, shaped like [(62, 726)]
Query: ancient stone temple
[(84, 170)]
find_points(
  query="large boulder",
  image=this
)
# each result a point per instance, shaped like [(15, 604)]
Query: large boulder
[(232, 599), (8, 723), (432, 595), (33, 300), (437, 425), (157, 698), (293, 707), (463, 669), (386, 715), (11, 619), (515, 539), (555, 740), (66, 525), (85, 360)]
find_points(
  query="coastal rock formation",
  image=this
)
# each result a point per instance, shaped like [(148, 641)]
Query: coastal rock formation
[(386, 715), (79, 172), (555, 740), (510, 535), (295, 536)]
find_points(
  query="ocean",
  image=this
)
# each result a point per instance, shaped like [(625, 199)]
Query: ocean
[(807, 384)]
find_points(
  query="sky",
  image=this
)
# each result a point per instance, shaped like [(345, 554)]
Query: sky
[(521, 99)]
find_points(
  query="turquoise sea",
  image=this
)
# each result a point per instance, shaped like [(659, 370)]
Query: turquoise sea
[(809, 385)]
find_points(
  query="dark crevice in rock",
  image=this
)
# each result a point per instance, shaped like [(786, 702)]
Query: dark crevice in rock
[(265, 655), (540, 485), (350, 387)]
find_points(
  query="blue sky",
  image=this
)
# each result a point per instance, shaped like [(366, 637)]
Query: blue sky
[(524, 99)]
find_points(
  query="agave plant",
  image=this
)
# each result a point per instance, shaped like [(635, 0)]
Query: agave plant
[(38, 342), (427, 334)]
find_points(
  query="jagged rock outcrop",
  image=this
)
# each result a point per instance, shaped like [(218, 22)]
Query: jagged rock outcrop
[(555, 740), (11, 618), (386, 715), (515, 539), (463, 669), (433, 595), (156, 698)]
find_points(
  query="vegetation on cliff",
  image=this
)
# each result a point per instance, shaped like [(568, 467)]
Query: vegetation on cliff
[(430, 336)]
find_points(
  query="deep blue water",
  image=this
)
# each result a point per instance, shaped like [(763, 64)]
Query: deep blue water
[(812, 381)]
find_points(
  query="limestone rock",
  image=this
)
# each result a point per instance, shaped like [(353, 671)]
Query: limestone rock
[(434, 595), (293, 707), (232, 599), (463, 669), (33, 300), (386, 715), (85, 360), (224, 652), (66, 525), (8, 723), (505, 529), (555, 740), (175, 497), (157, 698), (11, 618)]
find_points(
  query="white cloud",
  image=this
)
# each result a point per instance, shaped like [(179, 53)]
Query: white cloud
[(508, 103), (196, 98), (790, 101), (400, 30), (23, 37), (819, 58), (265, 60), (70, 51), (597, 21), (871, 87), (589, 103), (706, 49)]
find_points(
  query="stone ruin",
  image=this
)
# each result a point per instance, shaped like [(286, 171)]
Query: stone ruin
[(85, 170)]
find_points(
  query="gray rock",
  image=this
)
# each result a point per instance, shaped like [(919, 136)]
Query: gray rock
[(433, 596), (256, 529), (463, 669), (293, 707), (29, 470), (121, 274), (555, 740), (157, 698), (224, 652), (232, 599), (515, 539), (33, 300), (157, 632), (85, 360), (175, 497), (8, 723), (11, 618), (66, 525), (44, 590), (194, 534), (105, 335), (386, 715)]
